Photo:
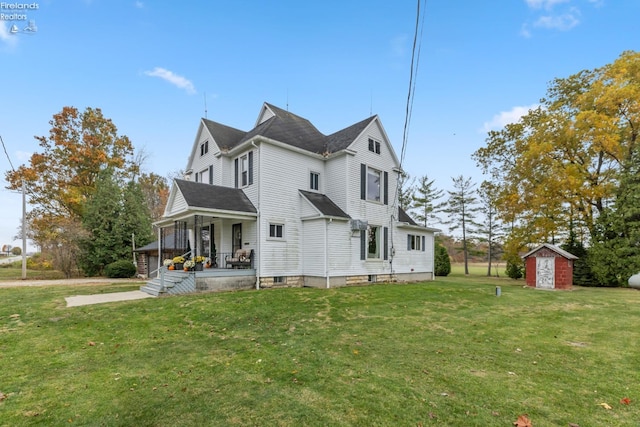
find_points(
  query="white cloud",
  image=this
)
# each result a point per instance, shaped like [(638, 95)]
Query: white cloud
[(174, 79), (562, 22), (139, 5), (544, 4), (504, 118)]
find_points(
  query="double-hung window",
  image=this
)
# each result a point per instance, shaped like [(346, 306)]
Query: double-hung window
[(373, 184), (276, 231), (243, 167), (204, 148), (373, 242), (244, 170), (314, 181), (416, 243)]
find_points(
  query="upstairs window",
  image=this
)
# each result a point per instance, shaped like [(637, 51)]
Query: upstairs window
[(373, 184), (244, 170), (314, 181), (374, 146), (204, 148)]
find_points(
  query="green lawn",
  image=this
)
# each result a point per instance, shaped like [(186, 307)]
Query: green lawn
[(446, 353)]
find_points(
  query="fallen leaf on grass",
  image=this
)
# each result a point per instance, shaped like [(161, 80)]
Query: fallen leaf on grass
[(2, 396), (91, 343), (624, 401), (573, 425), (604, 405), (523, 421)]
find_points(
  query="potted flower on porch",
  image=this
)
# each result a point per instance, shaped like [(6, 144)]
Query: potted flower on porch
[(189, 265), (168, 263), (178, 262), (199, 260)]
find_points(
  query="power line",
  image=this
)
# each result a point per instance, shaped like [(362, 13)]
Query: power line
[(7, 154), (415, 58)]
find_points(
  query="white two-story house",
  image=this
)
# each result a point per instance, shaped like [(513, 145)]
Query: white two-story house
[(306, 209)]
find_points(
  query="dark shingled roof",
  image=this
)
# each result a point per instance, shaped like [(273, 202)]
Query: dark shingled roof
[(225, 136), (290, 129), (324, 204), (343, 138), (169, 243), (200, 195), (404, 217)]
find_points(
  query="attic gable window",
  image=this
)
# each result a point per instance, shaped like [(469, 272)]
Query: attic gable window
[(204, 148), (374, 146)]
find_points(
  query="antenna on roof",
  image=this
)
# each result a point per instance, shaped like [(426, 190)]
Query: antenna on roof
[(371, 105), (287, 99), (205, 105)]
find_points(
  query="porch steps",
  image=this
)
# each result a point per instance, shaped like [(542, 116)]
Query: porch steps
[(171, 283)]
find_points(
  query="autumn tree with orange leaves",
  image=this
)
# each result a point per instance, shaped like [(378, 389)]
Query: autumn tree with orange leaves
[(62, 177), (558, 167)]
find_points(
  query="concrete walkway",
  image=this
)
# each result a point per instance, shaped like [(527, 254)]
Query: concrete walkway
[(78, 300)]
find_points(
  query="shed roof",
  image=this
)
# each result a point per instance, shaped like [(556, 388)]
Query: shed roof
[(324, 204), (200, 195), (553, 248)]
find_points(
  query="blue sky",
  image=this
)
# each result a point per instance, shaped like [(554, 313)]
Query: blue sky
[(150, 66)]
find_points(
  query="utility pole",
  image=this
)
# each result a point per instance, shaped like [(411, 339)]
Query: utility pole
[(24, 232)]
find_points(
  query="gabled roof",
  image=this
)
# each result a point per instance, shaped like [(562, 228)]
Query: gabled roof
[(225, 136), (283, 126), (324, 204), (206, 196), (553, 248), (291, 129), (343, 138)]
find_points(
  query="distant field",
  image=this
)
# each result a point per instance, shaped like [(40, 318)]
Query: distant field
[(478, 269)]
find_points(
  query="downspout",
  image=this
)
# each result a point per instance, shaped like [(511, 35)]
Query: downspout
[(256, 180), (326, 252)]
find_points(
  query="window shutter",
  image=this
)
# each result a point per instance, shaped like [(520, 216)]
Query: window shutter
[(363, 245), (196, 176), (423, 243), (386, 188), (250, 167), (385, 242), (210, 174), (235, 173), (409, 242), (363, 181)]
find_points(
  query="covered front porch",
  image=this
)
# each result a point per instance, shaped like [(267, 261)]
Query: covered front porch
[(212, 226)]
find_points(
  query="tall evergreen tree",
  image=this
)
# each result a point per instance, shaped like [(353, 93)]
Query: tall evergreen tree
[(615, 254), (425, 200), (100, 219), (134, 221), (462, 208), (112, 217)]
